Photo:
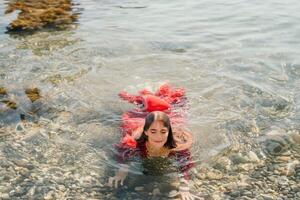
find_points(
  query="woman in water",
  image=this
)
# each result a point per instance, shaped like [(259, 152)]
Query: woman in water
[(157, 140)]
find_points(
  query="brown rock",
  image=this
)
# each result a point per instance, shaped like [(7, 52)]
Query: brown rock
[(9, 104), (36, 14), (33, 94), (296, 137), (201, 176), (283, 158), (214, 175), (3, 91)]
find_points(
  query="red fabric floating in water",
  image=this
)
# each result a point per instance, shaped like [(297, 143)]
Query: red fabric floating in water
[(129, 141), (154, 103), (164, 99)]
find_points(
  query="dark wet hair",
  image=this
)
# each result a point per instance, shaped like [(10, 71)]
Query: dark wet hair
[(158, 116)]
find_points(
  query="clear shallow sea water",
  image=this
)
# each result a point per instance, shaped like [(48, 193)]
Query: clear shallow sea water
[(238, 60)]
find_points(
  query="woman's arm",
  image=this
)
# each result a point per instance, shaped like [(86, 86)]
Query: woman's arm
[(136, 134), (122, 156), (184, 161)]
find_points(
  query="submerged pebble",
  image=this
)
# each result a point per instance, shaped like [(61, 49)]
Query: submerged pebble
[(173, 193), (140, 188), (275, 146)]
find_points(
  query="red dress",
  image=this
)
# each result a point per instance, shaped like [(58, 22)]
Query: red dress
[(170, 100)]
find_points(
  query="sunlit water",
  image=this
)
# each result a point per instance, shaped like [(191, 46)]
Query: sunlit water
[(238, 60)]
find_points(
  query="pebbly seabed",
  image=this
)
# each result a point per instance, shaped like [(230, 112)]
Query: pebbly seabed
[(38, 161)]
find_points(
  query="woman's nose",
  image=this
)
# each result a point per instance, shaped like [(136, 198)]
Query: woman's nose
[(161, 136)]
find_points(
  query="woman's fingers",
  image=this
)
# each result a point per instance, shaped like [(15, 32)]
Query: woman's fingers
[(189, 196), (197, 197), (182, 197), (116, 182), (110, 181), (113, 181), (185, 197)]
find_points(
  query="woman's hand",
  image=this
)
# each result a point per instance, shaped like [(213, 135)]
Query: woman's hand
[(119, 177), (183, 139), (184, 195)]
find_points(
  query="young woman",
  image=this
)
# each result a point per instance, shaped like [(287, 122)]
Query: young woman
[(158, 141)]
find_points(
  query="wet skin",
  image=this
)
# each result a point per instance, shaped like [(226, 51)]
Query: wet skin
[(157, 135)]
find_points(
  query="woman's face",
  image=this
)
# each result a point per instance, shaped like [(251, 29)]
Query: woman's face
[(157, 134)]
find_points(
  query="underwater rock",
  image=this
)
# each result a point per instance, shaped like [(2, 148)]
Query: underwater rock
[(56, 79), (267, 197), (245, 167), (222, 164), (156, 192), (253, 157), (173, 193), (238, 158), (214, 175), (33, 94), (9, 104), (49, 195), (291, 166), (36, 14), (6, 103), (17, 103), (3, 91), (20, 127), (295, 137), (275, 146), (4, 196), (139, 188)]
